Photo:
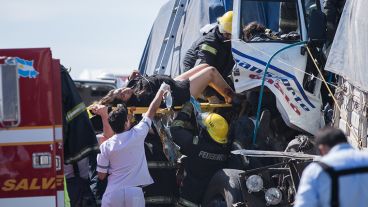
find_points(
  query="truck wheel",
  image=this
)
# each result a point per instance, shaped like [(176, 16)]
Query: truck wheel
[(224, 189)]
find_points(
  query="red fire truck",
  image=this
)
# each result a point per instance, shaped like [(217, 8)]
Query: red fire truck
[(31, 147)]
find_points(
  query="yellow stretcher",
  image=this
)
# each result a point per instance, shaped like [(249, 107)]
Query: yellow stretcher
[(204, 107), (207, 107), (141, 110)]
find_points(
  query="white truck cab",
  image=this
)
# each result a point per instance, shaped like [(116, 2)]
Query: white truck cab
[(286, 77)]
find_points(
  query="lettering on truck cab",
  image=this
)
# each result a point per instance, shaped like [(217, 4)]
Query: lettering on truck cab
[(275, 81)]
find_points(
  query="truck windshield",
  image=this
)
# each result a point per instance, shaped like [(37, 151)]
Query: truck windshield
[(269, 20)]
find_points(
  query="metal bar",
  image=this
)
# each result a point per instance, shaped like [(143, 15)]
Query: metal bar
[(260, 153), (204, 106)]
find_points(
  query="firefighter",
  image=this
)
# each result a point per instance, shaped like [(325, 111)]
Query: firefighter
[(79, 141), (214, 49), (206, 152)]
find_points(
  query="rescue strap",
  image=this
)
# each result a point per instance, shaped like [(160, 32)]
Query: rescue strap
[(187, 203), (161, 165), (197, 112), (159, 200), (334, 175), (196, 105), (75, 111)]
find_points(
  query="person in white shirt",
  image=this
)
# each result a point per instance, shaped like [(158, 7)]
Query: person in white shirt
[(123, 157), (339, 178)]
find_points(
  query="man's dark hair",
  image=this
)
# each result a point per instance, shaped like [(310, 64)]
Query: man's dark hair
[(253, 29), (117, 119), (330, 136)]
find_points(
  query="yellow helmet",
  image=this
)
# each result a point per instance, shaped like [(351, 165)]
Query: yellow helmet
[(216, 126), (225, 22)]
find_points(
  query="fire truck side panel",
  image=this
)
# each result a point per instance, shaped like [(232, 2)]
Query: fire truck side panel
[(28, 175), (19, 178)]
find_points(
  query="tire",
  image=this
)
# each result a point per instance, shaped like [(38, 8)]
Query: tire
[(224, 189)]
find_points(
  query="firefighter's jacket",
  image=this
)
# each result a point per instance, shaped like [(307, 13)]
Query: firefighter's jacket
[(204, 156), (78, 135), (212, 49)]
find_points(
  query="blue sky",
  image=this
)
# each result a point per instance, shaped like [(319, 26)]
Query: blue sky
[(90, 36)]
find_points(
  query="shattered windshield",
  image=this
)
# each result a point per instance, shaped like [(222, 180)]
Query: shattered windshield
[(269, 20)]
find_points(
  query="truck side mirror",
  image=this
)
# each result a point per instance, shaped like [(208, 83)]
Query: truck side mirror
[(317, 28), (9, 96)]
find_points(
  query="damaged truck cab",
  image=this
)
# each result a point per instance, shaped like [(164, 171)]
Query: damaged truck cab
[(263, 172), (282, 59), (287, 76)]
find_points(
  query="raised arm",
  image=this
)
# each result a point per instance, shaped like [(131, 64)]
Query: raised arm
[(155, 104), (101, 110)]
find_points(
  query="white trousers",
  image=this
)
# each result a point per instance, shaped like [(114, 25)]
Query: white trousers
[(124, 197)]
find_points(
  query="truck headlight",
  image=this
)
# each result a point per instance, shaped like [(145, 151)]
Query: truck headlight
[(273, 196), (254, 183)]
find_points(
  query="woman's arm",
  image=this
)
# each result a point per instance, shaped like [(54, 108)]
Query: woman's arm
[(155, 104)]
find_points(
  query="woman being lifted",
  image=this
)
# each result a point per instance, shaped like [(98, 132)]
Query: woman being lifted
[(141, 90)]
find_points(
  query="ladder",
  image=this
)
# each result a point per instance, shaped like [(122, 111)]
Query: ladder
[(170, 36)]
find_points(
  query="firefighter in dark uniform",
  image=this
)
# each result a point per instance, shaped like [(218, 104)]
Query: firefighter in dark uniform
[(206, 151), (333, 10), (213, 48)]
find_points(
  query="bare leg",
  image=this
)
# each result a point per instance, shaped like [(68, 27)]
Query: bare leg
[(191, 72), (209, 77)]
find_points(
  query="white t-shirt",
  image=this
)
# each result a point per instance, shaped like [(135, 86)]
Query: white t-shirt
[(124, 158)]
